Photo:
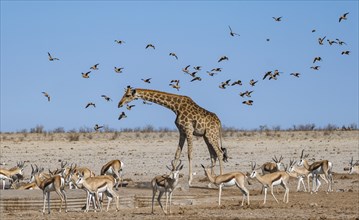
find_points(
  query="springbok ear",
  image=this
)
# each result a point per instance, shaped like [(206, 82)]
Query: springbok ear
[(202, 166), (181, 167)]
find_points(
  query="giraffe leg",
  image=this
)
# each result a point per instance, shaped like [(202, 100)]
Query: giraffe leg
[(179, 148), (190, 145), (213, 147)]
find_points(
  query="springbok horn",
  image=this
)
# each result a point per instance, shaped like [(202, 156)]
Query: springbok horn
[(178, 166), (301, 156)]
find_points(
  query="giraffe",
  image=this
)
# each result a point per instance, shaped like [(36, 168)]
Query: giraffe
[(191, 120)]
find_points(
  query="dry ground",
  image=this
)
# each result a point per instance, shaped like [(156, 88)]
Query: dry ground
[(146, 154)]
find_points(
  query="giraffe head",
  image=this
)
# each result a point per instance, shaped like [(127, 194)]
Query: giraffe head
[(130, 94)]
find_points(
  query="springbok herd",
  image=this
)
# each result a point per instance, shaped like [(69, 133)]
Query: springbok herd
[(272, 174)]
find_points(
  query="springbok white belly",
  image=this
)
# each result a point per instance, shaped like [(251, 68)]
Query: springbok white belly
[(230, 183)]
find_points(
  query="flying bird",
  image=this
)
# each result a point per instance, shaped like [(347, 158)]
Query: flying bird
[(185, 69), (95, 67), (198, 68), (90, 104), (248, 102), (86, 75), (277, 18), (46, 95), (119, 69), (315, 67), (252, 82), (122, 115), (231, 32), (224, 84), (175, 84), (211, 73), (52, 58), (120, 41), (197, 78), (150, 45), (216, 69), (193, 74), (346, 52), (238, 82), (331, 42), (340, 42), (106, 98), (174, 55), (295, 74), (97, 127), (129, 107), (320, 40), (343, 17), (222, 58), (147, 80), (246, 93), (317, 59), (269, 73)]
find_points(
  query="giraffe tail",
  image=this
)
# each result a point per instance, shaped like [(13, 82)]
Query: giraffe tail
[(224, 150)]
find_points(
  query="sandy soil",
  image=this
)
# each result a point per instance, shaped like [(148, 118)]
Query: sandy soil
[(147, 154)]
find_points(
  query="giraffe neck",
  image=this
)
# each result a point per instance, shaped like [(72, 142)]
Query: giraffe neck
[(170, 101)]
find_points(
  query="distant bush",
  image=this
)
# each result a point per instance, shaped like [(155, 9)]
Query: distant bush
[(39, 129), (73, 137)]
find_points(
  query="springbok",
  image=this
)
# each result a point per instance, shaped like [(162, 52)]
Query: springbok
[(114, 168), (353, 167), (270, 180), (7, 174), (316, 168), (227, 180), (55, 183), (166, 184), (95, 185)]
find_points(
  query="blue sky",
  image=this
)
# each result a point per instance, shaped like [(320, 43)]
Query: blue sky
[(82, 33)]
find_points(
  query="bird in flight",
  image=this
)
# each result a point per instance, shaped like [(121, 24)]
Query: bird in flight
[(320, 40), (122, 115), (252, 82), (197, 78), (331, 42), (95, 67), (238, 82), (248, 102), (174, 55), (343, 17), (46, 95), (211, 73), (346, 52), (86, 75), (216, 69), (231, 32), (97, 127), (317, 59), (120, 41), (246, 93), (295, 74), (175, 84), (269, 73), (129, 107), (340, 42), (119, 69), (150, 45), (185, 69), (52, 58), (198, 68), (90, 104), (224, 84), (277, 18), (147, 80), (106, 98), (222, 58), (315, 67)]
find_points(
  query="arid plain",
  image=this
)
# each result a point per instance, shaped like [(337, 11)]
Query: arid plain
[(146, 154)]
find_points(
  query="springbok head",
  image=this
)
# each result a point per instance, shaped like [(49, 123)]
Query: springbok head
[(278, 162), (302, 158), (254, 171), (175, 169)]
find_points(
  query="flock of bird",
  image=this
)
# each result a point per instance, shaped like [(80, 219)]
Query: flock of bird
[(194, 72)]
